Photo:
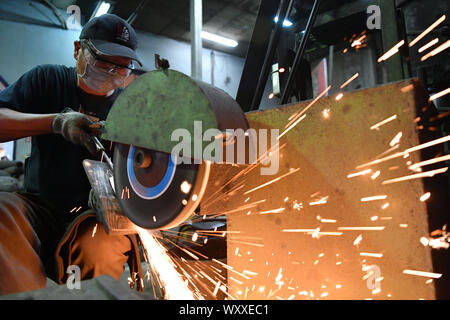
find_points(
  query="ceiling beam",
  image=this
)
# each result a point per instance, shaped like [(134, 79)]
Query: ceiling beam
[(136, 12)]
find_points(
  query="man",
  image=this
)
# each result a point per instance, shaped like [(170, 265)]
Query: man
[(42, 231)]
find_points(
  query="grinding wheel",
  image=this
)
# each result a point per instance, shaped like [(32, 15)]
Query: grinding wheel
[(153, 191)]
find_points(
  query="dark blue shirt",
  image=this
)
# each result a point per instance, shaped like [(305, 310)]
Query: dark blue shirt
[(54, 169)]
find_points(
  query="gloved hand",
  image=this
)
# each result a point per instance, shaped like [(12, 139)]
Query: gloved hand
[(76, 128)]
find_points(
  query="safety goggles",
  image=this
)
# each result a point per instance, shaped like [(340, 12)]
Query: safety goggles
[(94, 59)]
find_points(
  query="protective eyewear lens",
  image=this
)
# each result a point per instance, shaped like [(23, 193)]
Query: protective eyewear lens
[(106, 66)]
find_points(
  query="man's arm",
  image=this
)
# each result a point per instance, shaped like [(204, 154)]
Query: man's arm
[(15, 125), (24, 113), (74, 126)]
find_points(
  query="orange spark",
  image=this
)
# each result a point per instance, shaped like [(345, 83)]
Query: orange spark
[(171, 280), (428, 30), (428, 45), (425, 197), (317, 233), (407, 88), (358, 42), (326, 113), (375, 175), (362, 228), (423, 273), (216, 289), (396, 139), (372, 198), (323, 200), (391, 51), (339, 96), (185, 187), (357, 240), (272, 211), (272, 181), (377, 290), (240, 282), (379, 124), (439, 49), (397, 146), (402, 153), (298, 230), (231, 269), (356, 75), (298, 116), (440, 94), (328, 220), (360, 173), (373, 255), (427, 174), (427, 162), (95, 230)]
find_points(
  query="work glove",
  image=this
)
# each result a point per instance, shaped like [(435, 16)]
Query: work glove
[(77, 128)]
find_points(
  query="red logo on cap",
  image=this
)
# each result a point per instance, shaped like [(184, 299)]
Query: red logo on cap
[(123, 33)]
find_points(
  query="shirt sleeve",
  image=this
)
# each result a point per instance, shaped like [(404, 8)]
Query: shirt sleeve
[(26, 94)]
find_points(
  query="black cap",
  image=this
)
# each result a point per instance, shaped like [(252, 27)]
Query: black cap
[(112, 36)]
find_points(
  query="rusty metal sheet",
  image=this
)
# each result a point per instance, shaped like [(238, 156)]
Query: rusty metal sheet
[(328, 260)]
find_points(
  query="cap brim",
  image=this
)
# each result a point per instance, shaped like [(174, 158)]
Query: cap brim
[(114, 49)]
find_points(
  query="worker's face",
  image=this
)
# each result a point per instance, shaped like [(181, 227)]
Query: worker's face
[(99, 74)]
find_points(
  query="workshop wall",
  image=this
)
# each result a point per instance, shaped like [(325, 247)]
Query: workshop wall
[(224, 74), (23, 46), (31, 35)]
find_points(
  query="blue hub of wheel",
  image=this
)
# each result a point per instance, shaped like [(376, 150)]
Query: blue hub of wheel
[(154, 191)]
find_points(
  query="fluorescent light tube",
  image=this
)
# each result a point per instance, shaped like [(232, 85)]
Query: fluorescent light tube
[(102, 8), (219, 39)]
